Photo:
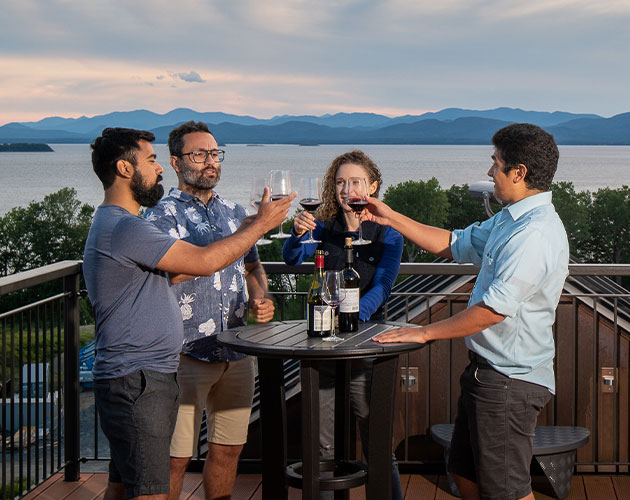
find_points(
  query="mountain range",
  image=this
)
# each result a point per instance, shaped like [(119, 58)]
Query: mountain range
[(448, 126)]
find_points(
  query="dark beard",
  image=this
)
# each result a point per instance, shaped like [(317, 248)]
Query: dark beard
[(198, 181), (146, 197)]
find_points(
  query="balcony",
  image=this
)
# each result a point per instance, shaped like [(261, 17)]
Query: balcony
[(50, 429)]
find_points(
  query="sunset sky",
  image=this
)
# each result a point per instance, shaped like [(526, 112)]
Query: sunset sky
[(264, 58)]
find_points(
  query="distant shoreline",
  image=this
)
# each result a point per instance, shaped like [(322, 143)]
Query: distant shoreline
[(25, 147)]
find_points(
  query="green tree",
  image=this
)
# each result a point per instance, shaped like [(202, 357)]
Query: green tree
[(45, 232), (463, 209), (422, 201), (574, 210), (610, 225)]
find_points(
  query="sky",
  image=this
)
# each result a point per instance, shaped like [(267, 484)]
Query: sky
[(72, 58)]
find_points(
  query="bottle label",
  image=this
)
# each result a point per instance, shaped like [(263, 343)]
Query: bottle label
[(349, 300), (322, 316)]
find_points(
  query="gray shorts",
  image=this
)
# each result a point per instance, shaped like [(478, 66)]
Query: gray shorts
[(137, 413), (494, 431)]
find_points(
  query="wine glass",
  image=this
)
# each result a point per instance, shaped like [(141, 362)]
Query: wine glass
[(357, 192), (331, 294), (255, 197), (280, 187), (311, 200)]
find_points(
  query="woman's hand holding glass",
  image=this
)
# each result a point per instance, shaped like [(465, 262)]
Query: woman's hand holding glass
[(303, 222)]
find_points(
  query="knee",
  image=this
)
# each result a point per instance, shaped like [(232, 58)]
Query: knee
[(224, 453)]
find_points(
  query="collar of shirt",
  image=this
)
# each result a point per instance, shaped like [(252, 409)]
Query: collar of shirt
[(186, 197), (523, 206)]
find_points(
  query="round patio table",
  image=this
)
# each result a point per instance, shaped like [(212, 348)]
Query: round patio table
[(274, 342)]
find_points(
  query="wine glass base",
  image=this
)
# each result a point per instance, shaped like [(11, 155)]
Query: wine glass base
[(279, 236), (263, 241), (310, 240), (361, 242), (332, 338)]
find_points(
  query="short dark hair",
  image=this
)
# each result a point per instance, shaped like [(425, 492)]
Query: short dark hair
[(176, 136), (116, 143), (530, 145)]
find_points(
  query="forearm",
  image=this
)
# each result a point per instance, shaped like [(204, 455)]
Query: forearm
[(476, 318), (188, 259), (473, 320), (432, 239), (256, 278)]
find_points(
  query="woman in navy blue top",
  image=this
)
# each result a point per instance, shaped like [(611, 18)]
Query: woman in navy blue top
[(377, 264)]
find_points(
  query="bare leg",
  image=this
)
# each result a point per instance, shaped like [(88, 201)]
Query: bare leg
[(467, 489), (219, 471), (178, 469), (114, 491)]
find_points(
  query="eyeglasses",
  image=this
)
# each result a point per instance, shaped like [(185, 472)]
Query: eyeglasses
[(201, 155)]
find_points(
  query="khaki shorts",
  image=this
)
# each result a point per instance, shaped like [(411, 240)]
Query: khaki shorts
[(225, 390)]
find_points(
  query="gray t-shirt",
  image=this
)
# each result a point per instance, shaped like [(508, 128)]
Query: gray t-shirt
[(138, 323)]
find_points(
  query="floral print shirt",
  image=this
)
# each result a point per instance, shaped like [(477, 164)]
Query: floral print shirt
[(209, 304)]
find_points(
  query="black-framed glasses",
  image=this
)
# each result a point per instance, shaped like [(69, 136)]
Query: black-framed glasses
[(201, 155)]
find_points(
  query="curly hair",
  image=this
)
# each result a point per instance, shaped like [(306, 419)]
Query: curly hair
[(330, 206), (530, 145)]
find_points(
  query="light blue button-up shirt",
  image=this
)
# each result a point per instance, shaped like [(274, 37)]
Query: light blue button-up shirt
[(523, 253)]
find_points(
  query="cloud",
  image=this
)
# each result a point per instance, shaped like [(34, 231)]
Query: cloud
[(193, 76)]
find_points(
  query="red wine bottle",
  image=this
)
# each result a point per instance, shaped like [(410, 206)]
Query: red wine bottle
[(318, 314), (349, 305)]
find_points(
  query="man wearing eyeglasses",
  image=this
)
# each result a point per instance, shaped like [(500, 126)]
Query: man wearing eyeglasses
[(210, 376)]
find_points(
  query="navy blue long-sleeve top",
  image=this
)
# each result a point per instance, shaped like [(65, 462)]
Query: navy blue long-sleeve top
[(294, 252)]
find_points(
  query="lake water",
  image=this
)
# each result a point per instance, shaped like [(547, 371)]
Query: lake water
[(25, 177)]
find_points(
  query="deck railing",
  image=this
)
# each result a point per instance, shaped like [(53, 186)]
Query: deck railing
[(39, 377), (41, 402)]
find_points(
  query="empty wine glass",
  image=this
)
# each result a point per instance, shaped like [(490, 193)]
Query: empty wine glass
[(280, 187), (311, 199), (356, 200), (331, 294), (255, 198)]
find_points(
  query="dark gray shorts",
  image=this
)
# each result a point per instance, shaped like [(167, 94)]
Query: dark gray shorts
[(494, 431), (137, 414)]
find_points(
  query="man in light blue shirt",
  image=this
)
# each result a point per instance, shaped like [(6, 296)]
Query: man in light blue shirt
[(523, 253)]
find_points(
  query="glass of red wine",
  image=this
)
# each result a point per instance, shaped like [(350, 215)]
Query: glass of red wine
[(280, 188), (311, 200), (356, 200), (255, 197)]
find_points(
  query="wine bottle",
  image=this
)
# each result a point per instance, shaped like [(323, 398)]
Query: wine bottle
[(349, 305), (318, 313)]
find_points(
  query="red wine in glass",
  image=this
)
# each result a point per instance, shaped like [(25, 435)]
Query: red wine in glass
[(357, 204), (310, 204)]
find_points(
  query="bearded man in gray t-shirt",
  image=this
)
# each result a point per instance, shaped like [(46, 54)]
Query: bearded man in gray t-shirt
[(128, 267)]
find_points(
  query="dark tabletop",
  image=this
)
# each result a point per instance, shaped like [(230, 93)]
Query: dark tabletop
[(288, 339)]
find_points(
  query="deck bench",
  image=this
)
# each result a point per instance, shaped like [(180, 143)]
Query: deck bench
[(554, 450)]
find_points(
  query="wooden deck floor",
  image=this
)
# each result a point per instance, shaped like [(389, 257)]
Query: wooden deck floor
[(416, 487)]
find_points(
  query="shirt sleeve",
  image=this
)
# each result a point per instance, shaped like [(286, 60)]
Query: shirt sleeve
[(140, 242), (467, 244), (384, 276), (519, 269), (167, 223), (294, 252)]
